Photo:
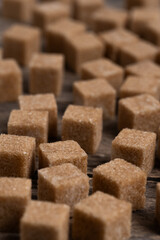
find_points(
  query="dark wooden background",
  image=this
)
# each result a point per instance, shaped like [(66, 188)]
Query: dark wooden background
[(144, 225)]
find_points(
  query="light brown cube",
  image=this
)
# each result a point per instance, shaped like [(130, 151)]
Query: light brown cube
[(82, 48), (29, 123), (47, 13), (20, 42), (44, 220), (83, 125), (96, 93), (158, 203), (139, 112), (19, 10), (103, 68), (158, 144), (102, 216), (152, 32), (122, 180), (42, 102), (57, 153), (56, 34), (15, 194), (46, 73), (140, 85), (136, 147), (106, 19), (10, 80), (141, 3), (62, 184)]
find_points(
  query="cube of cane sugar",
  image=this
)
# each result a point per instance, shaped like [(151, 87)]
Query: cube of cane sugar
[(17, 154), (20, 10), (62, 184), (10, 80), (21, 42), (42, 102), (103, 68), (141, 3), (83, 9), (96, 93), (56, 33), (15, 194), (44, 220), (47, 13), (106, 19), (136, 52), (158, 147), (114, 39), (29, 123), (83, 125), (57, 153), (152, 32), (158, 203), (139, 112), (122, 180), (102, 216), (82, 48), (139, 85), (46, 73), (137, 147)]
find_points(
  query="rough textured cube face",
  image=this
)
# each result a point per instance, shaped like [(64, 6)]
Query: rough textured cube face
[(42, 102), (21, 42), (10, 81), (56, 34), (62, 184), (137, 147), (158, 203), (108, 18), (158, 147), (138, 85), (82, 48), (96, 93), (122, 180), (83, 125), (20, 10), (57, 153), (47, 13), (139, 112), (103, 68), (152, 32), (103, 213), (17, 154), (15, 193), (46, 73), (141, 3), (29, 123), (44, 220)]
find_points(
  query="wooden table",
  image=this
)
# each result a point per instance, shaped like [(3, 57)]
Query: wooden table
[(143, 224)]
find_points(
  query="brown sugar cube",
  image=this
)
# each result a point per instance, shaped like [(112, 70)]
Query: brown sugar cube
[(152, 32), (82, 48), (17, 154), (57, 153), (158, 203), (101, 216), (114, 39), (137, 52), (20, 10), (20, 42), (122, 180), (10, 80), (62, 184), (96, 93), (56, 34), (135, 85), (139, 112), (44, 220), (29, 123), (83, 9), (108, 18), (46, 73), (15, 194), (137, 147), (141, 3), (47, 13), (42, 102), (83, 125), (158, 147), (103, 68)]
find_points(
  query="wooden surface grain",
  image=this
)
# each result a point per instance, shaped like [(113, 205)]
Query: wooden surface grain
[(143, 223)]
